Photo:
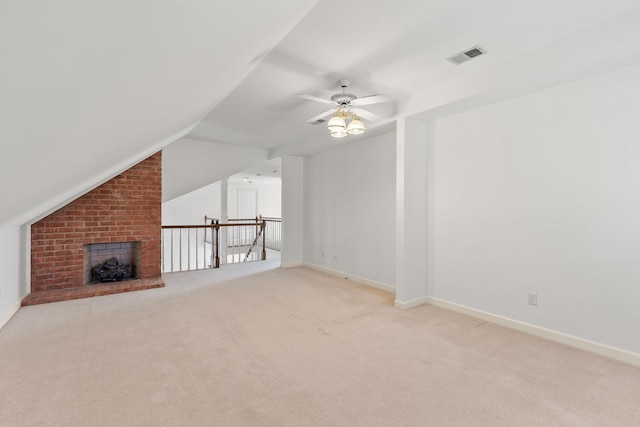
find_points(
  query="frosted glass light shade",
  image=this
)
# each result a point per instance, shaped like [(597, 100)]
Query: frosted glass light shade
[(339, 134), (336, 123), (355, 127)]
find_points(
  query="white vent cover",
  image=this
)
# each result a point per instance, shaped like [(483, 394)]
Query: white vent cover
[(467, 55)]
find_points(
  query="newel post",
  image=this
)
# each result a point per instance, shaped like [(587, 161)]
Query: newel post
[(263, 227), (216, 227)]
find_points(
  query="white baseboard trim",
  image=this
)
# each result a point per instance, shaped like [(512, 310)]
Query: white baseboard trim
[(9, 314), (290, 264), (361, 280), (411, 303), (559, 337)]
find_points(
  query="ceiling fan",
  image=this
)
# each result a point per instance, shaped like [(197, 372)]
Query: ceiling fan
[(346, 106)]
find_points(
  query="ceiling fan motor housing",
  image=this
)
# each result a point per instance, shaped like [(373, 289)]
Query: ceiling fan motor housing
[(343, 98), (346, 106)]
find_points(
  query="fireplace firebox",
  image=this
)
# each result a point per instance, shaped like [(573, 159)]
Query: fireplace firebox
[(119, 258)]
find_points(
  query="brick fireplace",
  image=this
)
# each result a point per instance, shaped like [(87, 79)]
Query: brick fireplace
[(120, 218)]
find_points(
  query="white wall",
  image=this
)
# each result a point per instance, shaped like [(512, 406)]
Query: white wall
[(13, 267), (191, 208), (350, 209), (268, 199), (541, 194)]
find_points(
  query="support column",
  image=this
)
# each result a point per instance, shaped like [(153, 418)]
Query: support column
[(292, 211), (224, 218), (411, 213)]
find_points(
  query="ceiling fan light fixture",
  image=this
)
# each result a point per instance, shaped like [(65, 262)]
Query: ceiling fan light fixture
[(344, 119), (355, 127), (336, 124)]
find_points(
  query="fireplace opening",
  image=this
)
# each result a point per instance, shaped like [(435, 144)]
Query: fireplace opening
[(111, 261)]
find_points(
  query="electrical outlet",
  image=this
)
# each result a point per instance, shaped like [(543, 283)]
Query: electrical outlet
[(322, 254), (335, 257), (532, 298)]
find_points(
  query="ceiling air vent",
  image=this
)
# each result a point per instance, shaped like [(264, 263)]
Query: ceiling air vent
[(318, 122), (467, 55)]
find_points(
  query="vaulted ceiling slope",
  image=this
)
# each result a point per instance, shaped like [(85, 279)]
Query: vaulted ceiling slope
[(88, 89)]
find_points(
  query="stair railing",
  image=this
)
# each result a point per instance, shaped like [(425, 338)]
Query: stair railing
[(196, 247)]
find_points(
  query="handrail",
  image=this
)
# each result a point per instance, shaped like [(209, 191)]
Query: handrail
[(188, 226), (266, 218), (211, 226), (256, 219)]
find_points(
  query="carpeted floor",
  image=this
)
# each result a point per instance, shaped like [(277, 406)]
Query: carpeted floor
[(255, 345)]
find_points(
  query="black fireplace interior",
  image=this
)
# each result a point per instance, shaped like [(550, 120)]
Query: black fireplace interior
[(111, 261), (112, 271)]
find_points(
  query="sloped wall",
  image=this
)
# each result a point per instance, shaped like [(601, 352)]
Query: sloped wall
[(127, 208)]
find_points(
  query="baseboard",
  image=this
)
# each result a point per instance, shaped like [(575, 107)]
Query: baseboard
[(411, 303), (361, 280), (559, 337), (9, 314), (290, 264)]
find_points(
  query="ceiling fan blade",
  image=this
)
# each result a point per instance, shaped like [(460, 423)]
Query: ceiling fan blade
[(366, 114), (371, 99), (321, 116), (315, 98)]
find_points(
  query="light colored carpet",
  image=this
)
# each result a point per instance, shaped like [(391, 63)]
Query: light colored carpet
[(254, 345)]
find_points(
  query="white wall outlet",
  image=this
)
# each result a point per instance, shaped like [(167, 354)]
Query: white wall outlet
[(532, 298), (322, 254), (335, 257)]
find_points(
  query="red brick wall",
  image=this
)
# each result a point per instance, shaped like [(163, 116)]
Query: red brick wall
[(126, 208)]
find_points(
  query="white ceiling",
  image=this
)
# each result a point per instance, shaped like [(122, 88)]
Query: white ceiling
[(88, 89), (390, 47), (267, 173)]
